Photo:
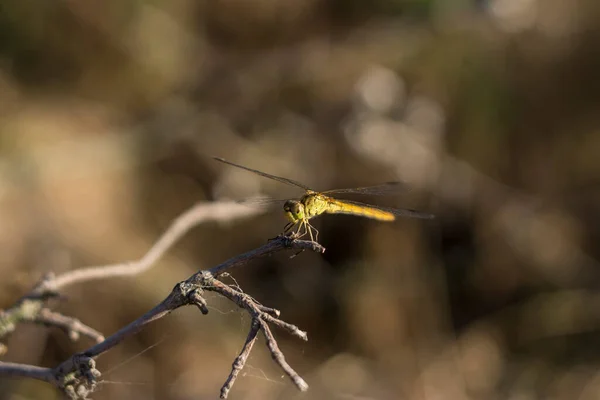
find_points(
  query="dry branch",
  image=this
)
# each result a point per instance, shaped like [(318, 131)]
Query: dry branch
[(204, 212), (78, 376)]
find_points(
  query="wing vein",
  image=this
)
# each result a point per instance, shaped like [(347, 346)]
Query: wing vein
[(382, 189), (264, 174)]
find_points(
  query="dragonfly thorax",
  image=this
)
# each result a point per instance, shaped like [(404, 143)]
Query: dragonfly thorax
[(294, 210)]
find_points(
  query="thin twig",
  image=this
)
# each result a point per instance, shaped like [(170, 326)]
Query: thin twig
[(72, 326), (275, 245), (26, 371), (263, 318), (291, 329), (279, 358), (256, 310), (240, 360)]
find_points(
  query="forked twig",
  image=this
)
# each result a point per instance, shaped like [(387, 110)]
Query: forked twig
[(261, 317)]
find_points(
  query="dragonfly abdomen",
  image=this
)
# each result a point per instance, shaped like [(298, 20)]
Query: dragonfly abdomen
[(340, 207)]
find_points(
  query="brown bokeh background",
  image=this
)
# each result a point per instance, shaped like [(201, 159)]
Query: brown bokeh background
[(110, 112)]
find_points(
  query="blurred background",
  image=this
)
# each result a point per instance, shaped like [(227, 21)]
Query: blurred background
[(110, 112)]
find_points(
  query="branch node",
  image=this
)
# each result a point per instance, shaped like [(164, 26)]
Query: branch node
[(291, 329), (271, 311), (291, 242), (82, 382), (195, 297)]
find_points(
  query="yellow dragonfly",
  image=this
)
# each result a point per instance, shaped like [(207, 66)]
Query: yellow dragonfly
[(314, 203)]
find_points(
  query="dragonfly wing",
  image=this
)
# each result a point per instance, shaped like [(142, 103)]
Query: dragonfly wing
[(399, 212), (263, 202), (264, 174), (383, 189)]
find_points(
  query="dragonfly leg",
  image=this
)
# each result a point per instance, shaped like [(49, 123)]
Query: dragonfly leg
[(308, 227), (301, 231), (316, 233), (296, 253), (288, 227), (302, 226)]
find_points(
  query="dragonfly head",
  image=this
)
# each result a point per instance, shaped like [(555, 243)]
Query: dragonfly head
[(294, 210)]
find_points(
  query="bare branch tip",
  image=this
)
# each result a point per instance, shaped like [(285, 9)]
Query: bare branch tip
[(240, 361), (72, 326), (279, 358)]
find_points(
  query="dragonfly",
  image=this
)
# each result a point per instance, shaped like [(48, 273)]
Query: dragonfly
[(314, 203)]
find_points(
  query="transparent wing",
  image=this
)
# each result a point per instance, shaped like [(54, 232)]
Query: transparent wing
[(379, 190), (400, 212), (264, 202), (264, 174)]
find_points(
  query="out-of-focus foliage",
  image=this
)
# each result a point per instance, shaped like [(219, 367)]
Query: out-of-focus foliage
[(488, 110)]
